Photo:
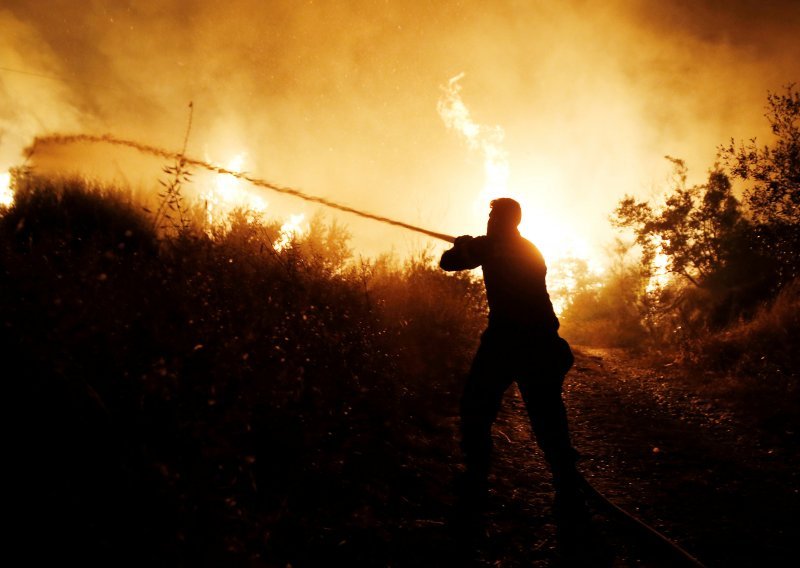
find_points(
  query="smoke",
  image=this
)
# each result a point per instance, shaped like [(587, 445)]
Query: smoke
[(340, 98), (29, 104)]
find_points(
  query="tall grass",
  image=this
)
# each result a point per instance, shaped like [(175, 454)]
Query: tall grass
[(197, 397), (763, 347)]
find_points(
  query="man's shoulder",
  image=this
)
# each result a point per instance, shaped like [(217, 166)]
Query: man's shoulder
[(525, 251), (530, 246), (517, 242)]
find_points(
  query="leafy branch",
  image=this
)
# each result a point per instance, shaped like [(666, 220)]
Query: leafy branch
[(171, 210)]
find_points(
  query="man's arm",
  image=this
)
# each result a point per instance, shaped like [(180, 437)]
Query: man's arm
[(465, 254)]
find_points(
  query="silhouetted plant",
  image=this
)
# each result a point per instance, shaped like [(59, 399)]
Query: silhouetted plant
[(201, 393), (172, 212), (697, 229), (773, 174)]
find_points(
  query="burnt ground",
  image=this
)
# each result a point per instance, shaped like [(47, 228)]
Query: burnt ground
[(691, 466)]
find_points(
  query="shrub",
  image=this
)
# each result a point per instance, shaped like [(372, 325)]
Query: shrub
[(196, 396)]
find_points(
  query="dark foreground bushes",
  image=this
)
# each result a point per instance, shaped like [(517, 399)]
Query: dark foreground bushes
[(202, 399)]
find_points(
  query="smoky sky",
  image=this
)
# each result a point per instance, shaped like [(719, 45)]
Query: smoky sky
[(339, 98)]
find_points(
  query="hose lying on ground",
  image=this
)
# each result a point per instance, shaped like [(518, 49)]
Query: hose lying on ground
[(644, 532)]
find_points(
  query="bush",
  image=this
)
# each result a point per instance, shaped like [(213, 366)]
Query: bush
[(198, 397), (763, 347)]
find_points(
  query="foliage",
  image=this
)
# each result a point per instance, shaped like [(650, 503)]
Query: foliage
[(728, 260), (762, 347), (703, 239), (773, 172), (200, 398), (172, 213), (171, 202), (698, 229), (608, 311)]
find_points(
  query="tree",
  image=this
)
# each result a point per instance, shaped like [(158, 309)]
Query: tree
[(697, 230), (773, 172)]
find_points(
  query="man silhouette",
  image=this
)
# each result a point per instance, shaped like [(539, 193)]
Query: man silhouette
[(521, 343)]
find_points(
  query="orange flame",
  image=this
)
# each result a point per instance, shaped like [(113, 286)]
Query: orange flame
[(6, 193), (227, 192), (486, 139), (290, 230), (659, 277), (552, 235)]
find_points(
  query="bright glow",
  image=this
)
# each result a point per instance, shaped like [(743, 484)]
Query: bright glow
[(6, 194), (551, 235), (229, 187), (227, 192), (488, 140), (660, 277), (290, 230)]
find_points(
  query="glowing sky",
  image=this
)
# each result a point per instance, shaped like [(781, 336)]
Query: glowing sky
[(340, 98)]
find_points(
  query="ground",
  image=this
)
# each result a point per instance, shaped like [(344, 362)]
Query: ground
[(690, 466)]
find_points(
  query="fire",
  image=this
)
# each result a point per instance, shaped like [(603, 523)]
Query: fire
[(6, 193), (227, 186), (227, 192), (554, 238), (659, 277), (486, 139), (290, 230)]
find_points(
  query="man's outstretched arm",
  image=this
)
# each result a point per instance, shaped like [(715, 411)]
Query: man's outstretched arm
[(464, 255)]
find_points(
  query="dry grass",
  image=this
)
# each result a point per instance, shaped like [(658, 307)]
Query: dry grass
[(761, 350)]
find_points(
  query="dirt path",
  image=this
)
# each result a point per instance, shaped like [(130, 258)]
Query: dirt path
[(687, 466)]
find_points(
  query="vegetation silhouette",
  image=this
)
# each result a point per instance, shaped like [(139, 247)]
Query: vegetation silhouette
[(729, 247), (196, 397)]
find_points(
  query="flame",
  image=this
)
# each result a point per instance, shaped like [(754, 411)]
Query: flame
[(289, 231), (659, 277), (486, 139), (556, 239), (227, 192), (6, 193)]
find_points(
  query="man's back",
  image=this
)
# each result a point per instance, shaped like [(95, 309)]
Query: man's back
[(514, 273)]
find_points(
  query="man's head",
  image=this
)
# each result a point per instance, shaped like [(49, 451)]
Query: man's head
[(504, 216)]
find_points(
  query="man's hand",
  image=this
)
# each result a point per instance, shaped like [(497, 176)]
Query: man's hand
[(462, 255)]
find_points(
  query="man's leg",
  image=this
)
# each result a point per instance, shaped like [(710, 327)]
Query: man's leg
[(483, 393), (548, 417)]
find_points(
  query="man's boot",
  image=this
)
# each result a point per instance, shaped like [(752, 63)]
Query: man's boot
[(571, 512), (472, 493)]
